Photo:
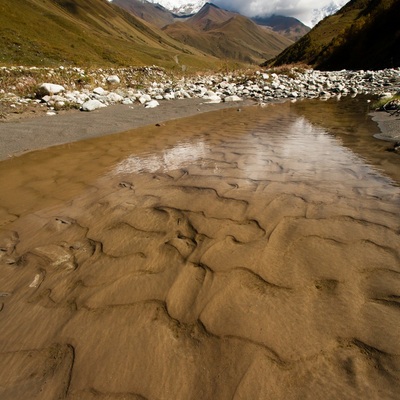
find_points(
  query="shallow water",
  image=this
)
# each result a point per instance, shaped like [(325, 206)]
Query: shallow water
[(233, 255)]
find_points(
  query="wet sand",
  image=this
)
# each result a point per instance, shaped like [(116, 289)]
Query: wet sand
[(231, 255), (37, 132)]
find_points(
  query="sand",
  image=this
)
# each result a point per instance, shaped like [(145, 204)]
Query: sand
[(230, 255), (29, 132), (389, 125)]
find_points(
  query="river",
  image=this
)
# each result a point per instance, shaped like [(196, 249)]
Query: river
[(248, 253)]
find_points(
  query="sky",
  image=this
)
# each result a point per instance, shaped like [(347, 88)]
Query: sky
[(307, 11)]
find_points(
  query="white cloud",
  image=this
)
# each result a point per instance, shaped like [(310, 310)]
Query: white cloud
[(306, 11)]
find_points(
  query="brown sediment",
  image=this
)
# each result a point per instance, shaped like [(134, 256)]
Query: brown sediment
[(27, 133), (229, 256)]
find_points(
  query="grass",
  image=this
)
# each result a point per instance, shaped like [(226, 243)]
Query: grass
[(362, 35), (91, 33), (381, 103), (25, 81)]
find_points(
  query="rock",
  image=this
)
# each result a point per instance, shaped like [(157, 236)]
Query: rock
[(233, 98), (100, 91), (152, 104), (113, 79), (169, 96), (114, 98), (386, 95), (215, 99), (49, 89), (145, 98), (92, 105), (392, 105)]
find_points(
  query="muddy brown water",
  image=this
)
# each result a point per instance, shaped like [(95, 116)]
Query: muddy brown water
[(231, 255)]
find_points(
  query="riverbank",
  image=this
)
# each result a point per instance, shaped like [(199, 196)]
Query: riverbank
[(34, 91), (27, 134), (123, 99), (389, 125)]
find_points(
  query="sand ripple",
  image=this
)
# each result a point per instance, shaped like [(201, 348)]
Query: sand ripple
[(234, 256)]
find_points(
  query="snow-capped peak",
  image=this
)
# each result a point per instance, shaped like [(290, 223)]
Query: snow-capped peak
[(181, 7), (329, 9)]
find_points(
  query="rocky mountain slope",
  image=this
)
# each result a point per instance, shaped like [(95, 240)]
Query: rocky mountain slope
[(85, 32), (155, 13), (364, 34), (228, 35)]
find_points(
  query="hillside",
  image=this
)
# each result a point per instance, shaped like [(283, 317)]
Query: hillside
[(85, 32), (364, 34), (228, 35), (290, 27), (153, 13)]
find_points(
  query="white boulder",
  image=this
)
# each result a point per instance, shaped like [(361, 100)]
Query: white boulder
[(49, 89), (113, 79), (144, 98), (233, 98), (215, 99), (92, 105), (152, 104), (114, 98), (100, 91)]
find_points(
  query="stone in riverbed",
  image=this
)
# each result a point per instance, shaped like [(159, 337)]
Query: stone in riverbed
[(49, 89), (92, 105), (233, 98), (214, 99), (152, 104), (114, 98), (144, 98), (100, 91)]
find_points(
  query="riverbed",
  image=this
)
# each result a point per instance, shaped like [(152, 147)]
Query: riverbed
[(246, 253)]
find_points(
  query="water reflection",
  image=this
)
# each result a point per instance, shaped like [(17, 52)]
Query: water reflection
[(273, 256), (179, 156)]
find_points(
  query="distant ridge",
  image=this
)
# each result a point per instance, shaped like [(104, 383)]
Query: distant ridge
[(364, 34), (153, 13), (228, 35), (85, 32), (290, 27)]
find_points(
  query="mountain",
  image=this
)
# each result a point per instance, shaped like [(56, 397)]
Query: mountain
[(290, 27), (364, 34), (181, 7), (85, 32), (155, 13), (209, 16), (227, 35), (320, 13)]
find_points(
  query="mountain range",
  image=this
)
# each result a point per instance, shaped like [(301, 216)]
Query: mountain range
[(364, 34), (290, 27), (227, 35), (86, 32)]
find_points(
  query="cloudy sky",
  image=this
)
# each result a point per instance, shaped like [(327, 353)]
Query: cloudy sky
[(307, 11)]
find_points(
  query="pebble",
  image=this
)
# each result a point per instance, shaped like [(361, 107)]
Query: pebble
[(152, 104), (262, 86), (92, 105)]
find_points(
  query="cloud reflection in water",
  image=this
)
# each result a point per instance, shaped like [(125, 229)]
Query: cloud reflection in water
[(179, 156)]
